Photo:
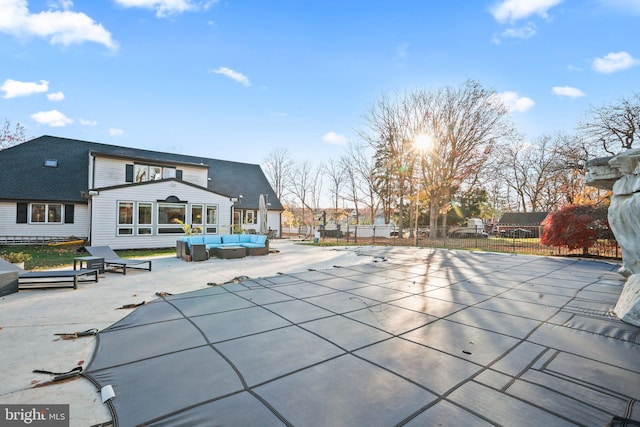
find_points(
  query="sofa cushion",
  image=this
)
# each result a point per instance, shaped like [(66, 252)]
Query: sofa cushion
[(259, 239), (252, 245), (245, 238), (231, 238), (212, 239), (194, 240)]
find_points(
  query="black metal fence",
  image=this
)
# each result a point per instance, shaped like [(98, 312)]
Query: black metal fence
[(513, 238)]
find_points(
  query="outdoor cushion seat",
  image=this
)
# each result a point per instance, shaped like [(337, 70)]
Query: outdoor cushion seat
[(251, 245), (111, 259), (231, 238), (50, 278), (256, 244), (245, 238)]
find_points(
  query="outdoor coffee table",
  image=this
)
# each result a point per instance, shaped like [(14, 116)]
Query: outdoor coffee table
[(229, 252)]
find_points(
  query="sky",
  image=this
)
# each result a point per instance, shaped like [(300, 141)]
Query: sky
[(239, 79)]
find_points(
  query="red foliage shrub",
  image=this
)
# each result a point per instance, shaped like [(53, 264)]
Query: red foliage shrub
[(576, 227)]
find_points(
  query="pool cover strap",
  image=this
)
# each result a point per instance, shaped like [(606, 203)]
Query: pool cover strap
[(59, 376)]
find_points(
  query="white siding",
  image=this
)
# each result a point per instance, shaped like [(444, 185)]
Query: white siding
[(105, 212), (110, 172), (273, 221), (9, 227)]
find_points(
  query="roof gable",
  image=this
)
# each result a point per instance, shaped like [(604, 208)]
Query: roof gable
[(25, 177)]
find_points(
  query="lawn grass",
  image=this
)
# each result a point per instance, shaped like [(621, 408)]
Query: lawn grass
[(46, 257)]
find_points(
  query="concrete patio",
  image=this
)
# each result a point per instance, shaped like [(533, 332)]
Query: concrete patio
[(335, 336)]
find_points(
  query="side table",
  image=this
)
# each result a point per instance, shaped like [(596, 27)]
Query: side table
[(89, 262)]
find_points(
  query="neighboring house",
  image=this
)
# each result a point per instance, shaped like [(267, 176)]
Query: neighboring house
[(125, 197), (511, 221)]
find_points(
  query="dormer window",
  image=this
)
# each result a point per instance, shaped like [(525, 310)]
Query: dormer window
[(50, 163), (139, 172)]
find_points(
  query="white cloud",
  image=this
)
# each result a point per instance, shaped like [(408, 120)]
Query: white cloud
[(525, 32), (116, 132), (59, 26), (13, 88), (626, 5), (516, 103), (55, 96), (614, 61), (85, 122), (166, 8), (515, 10), (53, 118), (403, 50), (234, 75), (334, 138), (570, 92), (60, 4)]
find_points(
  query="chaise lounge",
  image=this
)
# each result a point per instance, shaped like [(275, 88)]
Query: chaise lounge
[(111, 259), (50, 278)]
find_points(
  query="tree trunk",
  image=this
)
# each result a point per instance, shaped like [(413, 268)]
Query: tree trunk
[(433, 217)]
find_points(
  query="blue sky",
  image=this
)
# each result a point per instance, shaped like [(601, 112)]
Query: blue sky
[(237, 79)]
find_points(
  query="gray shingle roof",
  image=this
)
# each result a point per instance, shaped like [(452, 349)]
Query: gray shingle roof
[(523, 218), (24, 176)]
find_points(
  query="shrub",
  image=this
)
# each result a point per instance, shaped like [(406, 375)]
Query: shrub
[(576, 227), (16, 257)]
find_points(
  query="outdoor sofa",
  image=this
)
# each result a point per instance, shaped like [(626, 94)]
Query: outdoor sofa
[(201, 247), (49, 278)]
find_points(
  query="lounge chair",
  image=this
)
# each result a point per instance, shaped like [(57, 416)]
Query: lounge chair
[(50, 278), (111, 259)]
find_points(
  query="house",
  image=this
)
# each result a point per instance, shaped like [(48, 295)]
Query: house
[(53, 187), (525, 223)]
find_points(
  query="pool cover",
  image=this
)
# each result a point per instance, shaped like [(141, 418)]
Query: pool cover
[(420, 337)]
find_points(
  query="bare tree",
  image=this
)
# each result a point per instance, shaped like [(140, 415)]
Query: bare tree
[(464, 124), (543, 174), (362, 180), (335, 172), (392, 127), (300, 187), (279, 168), (614, 127), (10, 137), (306, 186), (315, 186)]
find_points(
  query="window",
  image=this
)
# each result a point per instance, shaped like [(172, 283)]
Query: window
[(144, 218), (155, 173), (54, 214), (144, 173), (125, 218), (46, 213), (50, 163), (141, 173), (250, 217), (196, 219), (37, 212), (167, 213), (212, 219)]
